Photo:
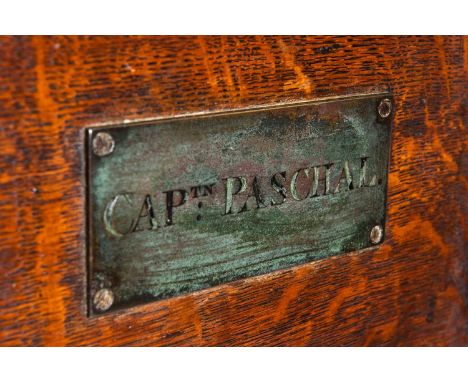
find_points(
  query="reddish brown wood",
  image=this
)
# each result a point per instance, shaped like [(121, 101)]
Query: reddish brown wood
[(412, 290)]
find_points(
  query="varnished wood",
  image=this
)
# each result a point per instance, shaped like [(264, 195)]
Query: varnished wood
[(411, 290)]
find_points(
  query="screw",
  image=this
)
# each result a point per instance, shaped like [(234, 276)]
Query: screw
[(103, 144), (103, 299), (385, 108), (376, 234)]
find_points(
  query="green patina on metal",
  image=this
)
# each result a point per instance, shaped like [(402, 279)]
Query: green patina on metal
[(188, 203)]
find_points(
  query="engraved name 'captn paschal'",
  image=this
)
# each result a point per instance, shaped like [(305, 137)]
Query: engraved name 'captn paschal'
[(128, 213)]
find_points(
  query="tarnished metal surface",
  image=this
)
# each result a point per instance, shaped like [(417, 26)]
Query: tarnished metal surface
[(184, 204)]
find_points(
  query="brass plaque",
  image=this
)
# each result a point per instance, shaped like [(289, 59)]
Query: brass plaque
[(183, 204)]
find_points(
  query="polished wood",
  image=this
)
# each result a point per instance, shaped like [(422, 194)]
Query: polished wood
[(411, 290)]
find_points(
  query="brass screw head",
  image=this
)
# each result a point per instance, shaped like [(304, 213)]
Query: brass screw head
[(376, 234), (103, 299), (103, 144), (385, 108)]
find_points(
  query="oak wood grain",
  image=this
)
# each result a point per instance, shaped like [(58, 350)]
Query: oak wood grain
[(411, 290)]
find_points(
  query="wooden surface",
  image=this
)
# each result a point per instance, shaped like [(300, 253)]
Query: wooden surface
[(411, 290)]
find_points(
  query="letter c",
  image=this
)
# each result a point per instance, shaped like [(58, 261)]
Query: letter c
[(108, 213)]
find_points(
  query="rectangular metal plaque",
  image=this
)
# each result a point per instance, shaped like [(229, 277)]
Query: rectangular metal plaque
[(184, 204)]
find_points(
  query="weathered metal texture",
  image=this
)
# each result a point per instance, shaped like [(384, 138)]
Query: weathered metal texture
[(184, 204)]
